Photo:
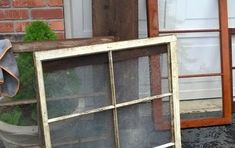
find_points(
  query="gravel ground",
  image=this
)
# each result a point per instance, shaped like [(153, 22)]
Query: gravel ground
[(210, 137)]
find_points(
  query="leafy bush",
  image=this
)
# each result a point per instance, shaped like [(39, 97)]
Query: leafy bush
[(36, 31), (26, 71), (12, 116), (39, 31)]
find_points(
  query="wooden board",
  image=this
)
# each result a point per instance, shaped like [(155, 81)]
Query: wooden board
[(117, 18), (40, 45)]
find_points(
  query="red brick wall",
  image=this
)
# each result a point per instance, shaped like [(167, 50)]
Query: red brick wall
[(16, 14)]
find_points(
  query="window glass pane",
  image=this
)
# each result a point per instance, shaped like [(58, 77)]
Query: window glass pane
[(133, 75), (199, 56), (198, 53), (142, 17), (184, 14), (140, 128), (164, 72), (126, 80), (233, 62), (231, 12), (191, 88), (88, 131), (76, 85), (200, 103), (233, 50)]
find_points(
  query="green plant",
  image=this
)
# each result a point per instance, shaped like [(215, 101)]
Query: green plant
[(39, 31), (12, 116), (36, 31), (26, 70), (53, 81)]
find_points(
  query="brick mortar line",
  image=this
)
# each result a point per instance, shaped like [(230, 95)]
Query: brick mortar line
[(29, 20), (14, 8), (21, 33), (46, 8), (16, 33), (12, 33), (6, 21), (23, 8)]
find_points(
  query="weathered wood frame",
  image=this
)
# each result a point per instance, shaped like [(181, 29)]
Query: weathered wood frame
[(22, 47), (231, 34), (226, 74), (108, 48)]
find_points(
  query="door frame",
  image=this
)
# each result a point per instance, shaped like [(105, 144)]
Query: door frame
[(68, 25), (226, 64)]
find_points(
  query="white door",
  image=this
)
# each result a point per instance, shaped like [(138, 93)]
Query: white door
[(197, 52)]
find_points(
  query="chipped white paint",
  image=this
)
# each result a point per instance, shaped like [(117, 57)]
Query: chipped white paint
[(42, 101), (109, 48), (165, 145), (93, 49)]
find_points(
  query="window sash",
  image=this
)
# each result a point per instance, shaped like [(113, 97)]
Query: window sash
[(226, 72), (170, 41)]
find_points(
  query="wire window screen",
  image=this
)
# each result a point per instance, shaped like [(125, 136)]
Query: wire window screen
[(205, 76), (107, 95)]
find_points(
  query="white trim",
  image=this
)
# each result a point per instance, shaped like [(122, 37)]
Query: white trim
[(92, 49), (43, 105), (110, 107), (67, 19), (165, 145), (175, 108)]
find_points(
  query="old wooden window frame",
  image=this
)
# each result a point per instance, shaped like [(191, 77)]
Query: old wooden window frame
[(30, 47), (231, 34), (226, 73), (108, 48)]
